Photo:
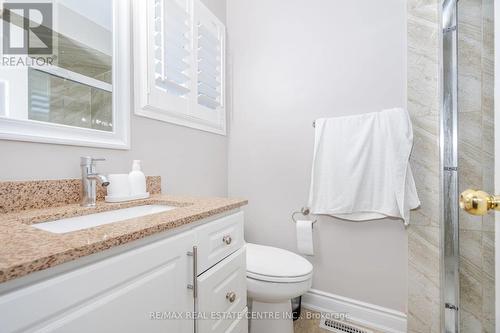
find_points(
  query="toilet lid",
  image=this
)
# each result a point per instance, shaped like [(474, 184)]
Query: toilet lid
[(273, 264)]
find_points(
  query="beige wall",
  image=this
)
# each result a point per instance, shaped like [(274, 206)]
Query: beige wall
[(189, 161), (292, 62)]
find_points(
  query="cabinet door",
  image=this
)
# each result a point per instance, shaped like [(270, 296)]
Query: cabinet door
[(222, 291), (142, 290), (240, 325)]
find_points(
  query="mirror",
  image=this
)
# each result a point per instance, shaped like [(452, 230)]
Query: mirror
[(60, 78)]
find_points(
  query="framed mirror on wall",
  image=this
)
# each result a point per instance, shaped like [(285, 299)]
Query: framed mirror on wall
[(65, 72)]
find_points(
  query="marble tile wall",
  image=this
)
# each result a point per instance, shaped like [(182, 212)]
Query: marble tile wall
[(70, 103), (476, 162), (424, 315)]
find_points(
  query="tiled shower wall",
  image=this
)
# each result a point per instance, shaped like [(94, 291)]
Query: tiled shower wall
[(475, 164), (423, 106)]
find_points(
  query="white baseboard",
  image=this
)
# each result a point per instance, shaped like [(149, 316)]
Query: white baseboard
[(365, 314)]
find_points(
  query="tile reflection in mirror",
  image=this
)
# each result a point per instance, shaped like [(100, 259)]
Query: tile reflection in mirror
[(61, 101)]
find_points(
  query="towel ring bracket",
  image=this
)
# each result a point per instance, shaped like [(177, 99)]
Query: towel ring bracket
[(305, 211)]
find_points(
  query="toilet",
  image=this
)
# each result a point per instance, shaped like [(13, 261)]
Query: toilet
[(274, 277)]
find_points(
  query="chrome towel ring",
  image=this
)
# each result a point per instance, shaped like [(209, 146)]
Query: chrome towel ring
[(305, 211)]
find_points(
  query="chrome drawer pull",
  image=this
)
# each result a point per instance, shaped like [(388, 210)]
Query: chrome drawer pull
[(227, 239), (194, 286), (231, 296)]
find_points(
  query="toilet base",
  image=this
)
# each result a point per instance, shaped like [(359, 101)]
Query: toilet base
[(271, 317)]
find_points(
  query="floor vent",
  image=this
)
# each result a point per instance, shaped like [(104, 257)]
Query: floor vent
[(341, 326)]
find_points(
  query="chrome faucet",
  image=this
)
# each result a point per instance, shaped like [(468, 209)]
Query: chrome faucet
[(89, 180)]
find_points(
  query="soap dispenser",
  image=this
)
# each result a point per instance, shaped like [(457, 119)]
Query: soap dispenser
[(136, 179)]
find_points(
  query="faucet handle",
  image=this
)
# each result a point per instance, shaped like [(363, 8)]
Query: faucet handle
[(87, 160)]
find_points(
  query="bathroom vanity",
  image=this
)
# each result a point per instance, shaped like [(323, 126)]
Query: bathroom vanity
[(182, 270)]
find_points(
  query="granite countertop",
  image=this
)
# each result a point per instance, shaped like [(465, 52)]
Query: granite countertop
[(25, 249)]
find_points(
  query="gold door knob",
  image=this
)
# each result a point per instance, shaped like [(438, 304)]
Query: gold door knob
[(477, 202)]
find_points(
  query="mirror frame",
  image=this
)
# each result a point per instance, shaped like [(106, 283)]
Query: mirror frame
[(119, 138)]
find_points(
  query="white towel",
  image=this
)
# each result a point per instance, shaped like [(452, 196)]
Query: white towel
[(361, 167)]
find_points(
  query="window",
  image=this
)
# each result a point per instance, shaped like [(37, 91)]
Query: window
[(77, 94), (179, 58)]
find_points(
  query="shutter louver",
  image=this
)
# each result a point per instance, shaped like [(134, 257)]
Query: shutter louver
[(39, 95), (179, 64), (172, 49), (209, 60)]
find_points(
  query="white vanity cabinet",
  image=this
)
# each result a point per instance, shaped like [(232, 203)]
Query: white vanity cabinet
[(147, 288)]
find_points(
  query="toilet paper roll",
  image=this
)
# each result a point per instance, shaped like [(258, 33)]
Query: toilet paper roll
[(305, 237)]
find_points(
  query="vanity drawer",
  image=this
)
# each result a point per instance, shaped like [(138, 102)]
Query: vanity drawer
[(218, 239), (223, 290)]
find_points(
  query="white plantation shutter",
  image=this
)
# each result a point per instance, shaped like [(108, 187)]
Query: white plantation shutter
[(170, 73), (209, 68), (172, 47), (39, 96), (180, 63), (209, 44)]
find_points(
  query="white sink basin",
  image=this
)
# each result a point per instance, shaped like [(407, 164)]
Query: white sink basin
[(93, 220)]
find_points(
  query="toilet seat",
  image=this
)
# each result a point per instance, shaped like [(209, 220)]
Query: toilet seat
[(278, 279), (274, 277), (270, 264)]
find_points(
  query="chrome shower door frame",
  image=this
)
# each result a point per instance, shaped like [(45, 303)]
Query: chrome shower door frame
[(449, 219)]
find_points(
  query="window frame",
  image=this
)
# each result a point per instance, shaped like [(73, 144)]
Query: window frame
[(119, 138), (169, 108)]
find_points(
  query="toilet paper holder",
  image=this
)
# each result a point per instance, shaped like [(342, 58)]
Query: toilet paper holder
[(305, 211)]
